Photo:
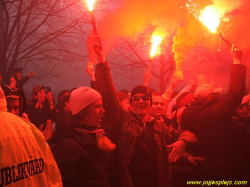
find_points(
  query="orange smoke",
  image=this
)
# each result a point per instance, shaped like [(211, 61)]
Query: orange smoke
[(132, 17), (186, 38), (189, 35)]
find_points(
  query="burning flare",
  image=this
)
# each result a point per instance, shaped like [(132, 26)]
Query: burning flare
[(90, 4), (210, 17), (156, 40)]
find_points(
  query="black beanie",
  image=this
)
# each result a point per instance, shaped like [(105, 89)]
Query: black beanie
[(142, 89)]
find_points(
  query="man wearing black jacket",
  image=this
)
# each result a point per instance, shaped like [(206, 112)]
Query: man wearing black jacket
[(209, 118), (20, 81)]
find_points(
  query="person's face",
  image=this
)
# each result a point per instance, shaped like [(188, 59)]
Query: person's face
[(65, 94), (41, 94), (95, 113), (156, 110), (243, 111), (19, 75), (67, 105), (13, 106), (125, 105), (141, 104), (12, 80)]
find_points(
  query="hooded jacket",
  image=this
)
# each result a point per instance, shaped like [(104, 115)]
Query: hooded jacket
[(25, 157)]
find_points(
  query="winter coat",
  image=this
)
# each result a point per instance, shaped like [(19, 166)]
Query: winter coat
[(62, 121), (25, 157), (20, 83), (240, 139), (210, 121), (141, 152), (39, 116), (80, 161)]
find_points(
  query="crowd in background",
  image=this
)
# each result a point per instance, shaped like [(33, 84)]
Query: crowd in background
[(103, 137)]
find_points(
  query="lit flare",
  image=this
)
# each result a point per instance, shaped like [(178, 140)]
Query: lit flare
[(156, 40), (90, 4), (210, 18)]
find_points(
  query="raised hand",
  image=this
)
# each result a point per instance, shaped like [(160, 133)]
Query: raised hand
[(31, 74), (48, 131), (98, 48), (236, 53)]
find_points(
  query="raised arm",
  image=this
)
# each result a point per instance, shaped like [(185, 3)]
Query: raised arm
[(104, 82)]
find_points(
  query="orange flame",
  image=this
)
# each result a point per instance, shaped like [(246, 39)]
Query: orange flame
[(90, 4), (156, 40), (210, 17)]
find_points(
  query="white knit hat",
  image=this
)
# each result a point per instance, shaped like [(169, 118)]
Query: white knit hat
[(82, 97)]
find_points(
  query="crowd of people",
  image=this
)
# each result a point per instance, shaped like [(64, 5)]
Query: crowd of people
[(104, 137)]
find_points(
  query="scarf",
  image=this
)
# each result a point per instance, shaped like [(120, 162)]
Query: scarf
[(103, 143)]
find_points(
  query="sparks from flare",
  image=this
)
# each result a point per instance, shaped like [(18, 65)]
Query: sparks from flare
[(210, 18)]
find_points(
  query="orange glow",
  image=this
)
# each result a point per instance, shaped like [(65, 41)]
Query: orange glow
[(90, 4), (210, 18), (156, 40)]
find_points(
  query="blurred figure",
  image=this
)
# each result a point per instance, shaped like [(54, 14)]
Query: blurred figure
[(12, 84), (141, 140), (63, 117), (209, 117), (126, 92), (240, 139), (157, 108), (183, 98), (20, 81), (40, 107), (25, 157), (60, 100), (167, 96), (16, 101), (124, 101), (147, 77), (16, 104), (81, 154)]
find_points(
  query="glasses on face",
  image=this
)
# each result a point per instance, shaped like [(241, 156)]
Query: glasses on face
[(137, 98)]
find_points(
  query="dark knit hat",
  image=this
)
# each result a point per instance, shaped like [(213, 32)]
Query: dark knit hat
[(141, 89), (122, 96), (125, 91), (15, 94)]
